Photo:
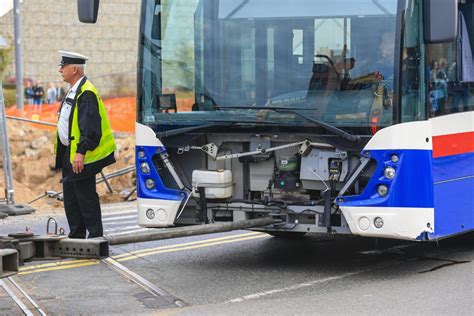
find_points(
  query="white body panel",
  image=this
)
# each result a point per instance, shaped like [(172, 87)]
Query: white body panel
[(412, 135), (453, 124), (145, 136), (401, 223), (165, 212)]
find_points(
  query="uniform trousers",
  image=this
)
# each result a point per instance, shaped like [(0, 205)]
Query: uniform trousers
[(81, 203), (82, 206)]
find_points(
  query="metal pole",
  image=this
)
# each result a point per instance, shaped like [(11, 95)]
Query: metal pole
[(18, 55), (7, 166), (188, 231), (106, 182), (30, 121)]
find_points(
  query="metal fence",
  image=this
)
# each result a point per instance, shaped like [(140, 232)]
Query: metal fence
[(6, 156)]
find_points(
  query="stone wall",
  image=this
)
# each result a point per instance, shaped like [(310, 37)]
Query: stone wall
[(110, 44)]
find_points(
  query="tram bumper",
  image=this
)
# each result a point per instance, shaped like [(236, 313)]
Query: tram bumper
[(157, 213), (389, 222)]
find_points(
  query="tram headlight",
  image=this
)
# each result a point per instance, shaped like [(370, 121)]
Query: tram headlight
[(150, 213), (389, 173), (378, 222), (150, 184), (382, 190), (395, 158), (141, 154), (144, 167)]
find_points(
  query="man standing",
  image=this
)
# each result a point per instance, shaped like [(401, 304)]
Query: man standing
[(38, 95), (29, 93), (84, 145)]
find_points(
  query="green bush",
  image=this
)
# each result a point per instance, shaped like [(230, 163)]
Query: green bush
[(9, 96)]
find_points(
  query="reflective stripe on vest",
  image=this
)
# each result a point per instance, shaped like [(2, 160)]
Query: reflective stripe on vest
[(106, 145)]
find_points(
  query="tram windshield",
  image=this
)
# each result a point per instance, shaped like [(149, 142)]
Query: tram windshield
[(230, 60)]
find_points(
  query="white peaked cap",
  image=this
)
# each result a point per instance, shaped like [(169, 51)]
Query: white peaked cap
[(72, 58)]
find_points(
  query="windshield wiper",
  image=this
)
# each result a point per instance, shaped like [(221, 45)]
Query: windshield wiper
[(183, 130), (330, 128)]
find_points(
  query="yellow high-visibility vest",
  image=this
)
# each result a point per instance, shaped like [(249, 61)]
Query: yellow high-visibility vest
[(107, 143)]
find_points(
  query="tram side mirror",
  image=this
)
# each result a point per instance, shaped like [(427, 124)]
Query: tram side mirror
[(87, 10), (441, 20)]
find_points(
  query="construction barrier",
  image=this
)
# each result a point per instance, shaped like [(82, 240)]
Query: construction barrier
[(120, 111)]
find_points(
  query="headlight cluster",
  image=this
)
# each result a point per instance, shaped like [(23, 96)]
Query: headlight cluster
[(378, 222), (382, 190), (150, 184), (145, 169), (150, 213), (389, 173)]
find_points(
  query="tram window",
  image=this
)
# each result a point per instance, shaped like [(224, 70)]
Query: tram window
[(450, 69), (411, 107)]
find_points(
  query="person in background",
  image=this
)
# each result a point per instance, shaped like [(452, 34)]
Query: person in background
[(60, 94), (434, 69), (84, 145), (38, 97), (29, 93), (51, 93), (460, 93), (443, 69), (438, 87), (385, 62)]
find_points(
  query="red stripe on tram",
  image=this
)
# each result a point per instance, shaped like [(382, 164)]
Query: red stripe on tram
[(453, 144)]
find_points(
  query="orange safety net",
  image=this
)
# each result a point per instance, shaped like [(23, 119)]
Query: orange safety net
[(120, 111)]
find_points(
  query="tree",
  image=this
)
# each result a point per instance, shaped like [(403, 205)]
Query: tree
[(6, 58)]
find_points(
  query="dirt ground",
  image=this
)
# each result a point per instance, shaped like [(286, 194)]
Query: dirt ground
[(33, 158)]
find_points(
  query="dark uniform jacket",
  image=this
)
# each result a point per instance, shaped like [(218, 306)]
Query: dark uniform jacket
[(90, 126)]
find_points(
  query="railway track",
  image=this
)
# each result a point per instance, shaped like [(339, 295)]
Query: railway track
[(20, 298)]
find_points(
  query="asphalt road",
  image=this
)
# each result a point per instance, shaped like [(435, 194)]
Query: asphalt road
[(246, 272)]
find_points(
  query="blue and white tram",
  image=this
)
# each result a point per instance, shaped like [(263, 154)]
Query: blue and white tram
[(348, 117)]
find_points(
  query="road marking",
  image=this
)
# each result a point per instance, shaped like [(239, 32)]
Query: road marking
[(130, 211), (188, 244), (114, 224), (124, 228), (308, 284), (131, 231), (85, 264), (109, 219), (54, 264), (137, 256), (290, 288)]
